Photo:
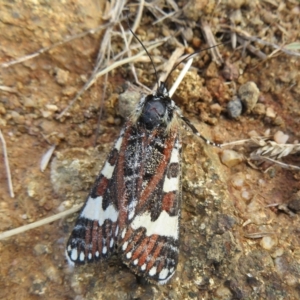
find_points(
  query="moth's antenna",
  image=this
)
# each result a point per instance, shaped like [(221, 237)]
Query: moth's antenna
[(157, 81), (191, 55)]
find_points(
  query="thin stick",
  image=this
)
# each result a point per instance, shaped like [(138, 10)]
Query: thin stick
[(10, 186), (43, 50), (39, 223), (101, 109), (106, 70), (279, 163), (210, 40), (8, 89), (180, 77), (246, 36), (168, 67), (137, 19)]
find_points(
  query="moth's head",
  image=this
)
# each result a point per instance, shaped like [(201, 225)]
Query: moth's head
[(155, 110)]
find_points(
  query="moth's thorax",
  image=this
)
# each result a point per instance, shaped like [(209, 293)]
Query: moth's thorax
[(155, 111)]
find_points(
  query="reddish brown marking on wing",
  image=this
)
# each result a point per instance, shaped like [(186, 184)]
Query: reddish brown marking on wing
[(159, 172), (169, 202), (148, 248), (95, 236), (154, 256), (102, 186), (122, 200), (161, 265), (133, 242), (88, 235), (139, 249), (99, 239)]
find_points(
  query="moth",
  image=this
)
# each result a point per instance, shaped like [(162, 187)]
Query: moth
[(134, 205), (133, 208)]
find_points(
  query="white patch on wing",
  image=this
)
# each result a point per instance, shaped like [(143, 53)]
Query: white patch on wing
[(119, 141), (123, 233), (165, 225), (152, 271), (171, 184), (93, 211), (71, 263), (131, 209), (81, 256), (163, 273), (163, 281), (124, 246), (108, 170), (111, 243), (175, 153), (74, 254)]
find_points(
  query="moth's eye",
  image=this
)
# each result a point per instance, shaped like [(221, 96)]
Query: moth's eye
[(153, 113)]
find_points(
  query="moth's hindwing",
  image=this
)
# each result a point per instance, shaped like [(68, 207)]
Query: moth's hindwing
[(95, 233), (149, 218)]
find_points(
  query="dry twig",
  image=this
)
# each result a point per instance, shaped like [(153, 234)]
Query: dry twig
[(10, 186), (103, 72), (243, 35), (46, 49), (267, 150), (39, 223), (210, 40)]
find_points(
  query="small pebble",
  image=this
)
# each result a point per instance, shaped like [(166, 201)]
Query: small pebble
[(40, 249), (51, 107), (69, 91), (267, 242), (196, 42), (278, 252), (280, 137), (127, 102), (61, 76), (238, 181), (246, 195), (253, 133), (234, 108), (230, 71), (188, 34), (249, 94), (29, 102), (53, 274), (270, 113), (18, 119), (231, 158), (278, 121), (294, 203), (261, 182), (267, 132), (2, 109), (259, 109), (39, 287), (216, 109)]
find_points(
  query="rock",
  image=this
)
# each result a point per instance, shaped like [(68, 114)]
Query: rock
[(231, 158), (249, 93), (234, 108)]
